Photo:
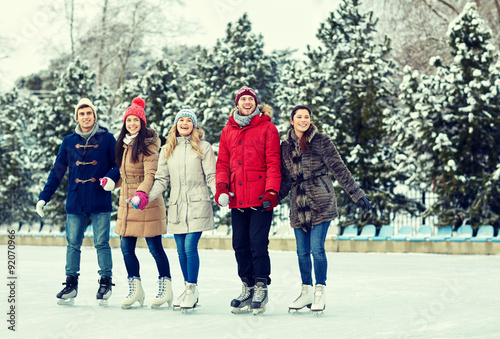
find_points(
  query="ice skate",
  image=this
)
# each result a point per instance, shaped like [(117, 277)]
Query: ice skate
[(318, 305), (242, 303), (305, 299), (177, 303), (68, 293), (260, 299), (165, 294), (136, 293), (104, 291), (190, 300)]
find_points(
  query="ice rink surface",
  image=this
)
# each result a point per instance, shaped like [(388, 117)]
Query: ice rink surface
[(369, 295)]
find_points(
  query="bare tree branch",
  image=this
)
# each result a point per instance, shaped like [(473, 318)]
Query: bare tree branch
[(446, 3)]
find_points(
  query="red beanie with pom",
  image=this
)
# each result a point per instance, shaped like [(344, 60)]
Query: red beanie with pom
[(137, 109)]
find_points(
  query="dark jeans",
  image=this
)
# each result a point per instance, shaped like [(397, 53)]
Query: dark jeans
[(155, 248), (187, 250), (312, 242), (250, 241)]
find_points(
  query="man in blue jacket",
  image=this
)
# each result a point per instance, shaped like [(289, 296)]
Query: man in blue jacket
[(89, 153)]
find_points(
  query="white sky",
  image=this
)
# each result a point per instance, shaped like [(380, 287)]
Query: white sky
[(29, 25)]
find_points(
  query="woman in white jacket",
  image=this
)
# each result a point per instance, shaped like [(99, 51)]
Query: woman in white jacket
[(187, 163)]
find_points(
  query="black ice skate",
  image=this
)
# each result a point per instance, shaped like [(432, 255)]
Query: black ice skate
[(104, 291), (260, 298), (244, 300), (68, 294)]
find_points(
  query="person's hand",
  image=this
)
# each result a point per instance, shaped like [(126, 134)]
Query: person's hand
[(224, 199), (364, 202), (269, 200), (140, 200), (222, 194), (39, 208), (107, 183)]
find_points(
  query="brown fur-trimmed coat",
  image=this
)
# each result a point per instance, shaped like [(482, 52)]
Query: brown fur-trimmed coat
[(305, 175)]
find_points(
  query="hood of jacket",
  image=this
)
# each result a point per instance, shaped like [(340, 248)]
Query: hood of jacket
[(264, 110)]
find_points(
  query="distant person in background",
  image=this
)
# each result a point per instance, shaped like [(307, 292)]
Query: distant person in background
[(307, 158), (89, 153), (248, 178), (187, 164), (137, 158)]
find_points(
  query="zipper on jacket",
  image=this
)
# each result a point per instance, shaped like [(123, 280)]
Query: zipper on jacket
[(186, 185), (124, 157)]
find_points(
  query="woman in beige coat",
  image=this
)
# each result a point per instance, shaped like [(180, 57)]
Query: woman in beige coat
[(187, 163), (137, 158)]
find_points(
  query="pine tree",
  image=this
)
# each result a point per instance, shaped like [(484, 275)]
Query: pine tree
[(17, 201), (235, 61), (162, 89), (456, 117), (354, 93), (58, 121)]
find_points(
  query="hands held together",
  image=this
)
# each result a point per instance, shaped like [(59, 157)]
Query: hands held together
[(222, 195), (140, 200)]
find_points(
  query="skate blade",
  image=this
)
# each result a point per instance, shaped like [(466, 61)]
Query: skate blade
[(162, 307), (297, 310), (188, 310), (257, 311), (132, 307), (317, 313), (66, 302), (244, 309), (103, 302)]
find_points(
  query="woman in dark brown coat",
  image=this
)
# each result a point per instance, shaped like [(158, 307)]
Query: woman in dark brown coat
[(307, 158)]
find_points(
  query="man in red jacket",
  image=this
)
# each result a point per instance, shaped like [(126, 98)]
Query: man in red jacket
[(248, 178)]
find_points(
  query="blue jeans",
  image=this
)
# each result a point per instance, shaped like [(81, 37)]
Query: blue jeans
[(155, 248), (75, 229), (187, 250), (312, 241)]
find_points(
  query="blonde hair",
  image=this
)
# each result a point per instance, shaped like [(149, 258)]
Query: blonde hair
[(196, 137)]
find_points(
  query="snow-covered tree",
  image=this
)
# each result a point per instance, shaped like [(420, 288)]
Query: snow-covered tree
[(56, 121), (17, 201), (235, 61), (162, 89), (352, 91), (455, 115)]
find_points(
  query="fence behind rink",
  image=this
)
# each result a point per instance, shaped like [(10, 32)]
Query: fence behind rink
[(281, 226)]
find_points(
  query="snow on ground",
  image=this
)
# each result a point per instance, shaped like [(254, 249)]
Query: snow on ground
[(370, 295)]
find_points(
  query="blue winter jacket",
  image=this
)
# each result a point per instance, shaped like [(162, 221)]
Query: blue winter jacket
[(86, 166)]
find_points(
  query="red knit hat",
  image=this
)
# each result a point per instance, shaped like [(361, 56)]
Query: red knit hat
[(245, 91), (137, 109)]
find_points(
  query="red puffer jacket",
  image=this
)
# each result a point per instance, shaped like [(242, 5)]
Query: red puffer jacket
[(249, 159)]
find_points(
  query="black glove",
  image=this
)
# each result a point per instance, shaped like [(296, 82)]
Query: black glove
[(364, 202)]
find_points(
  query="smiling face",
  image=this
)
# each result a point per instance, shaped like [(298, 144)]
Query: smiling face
[(301, 122), (185, 126), (86, 119), (133, 124), (246, 105)]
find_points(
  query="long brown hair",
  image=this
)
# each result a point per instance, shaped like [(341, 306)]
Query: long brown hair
[(139, 145), (305, 136)]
